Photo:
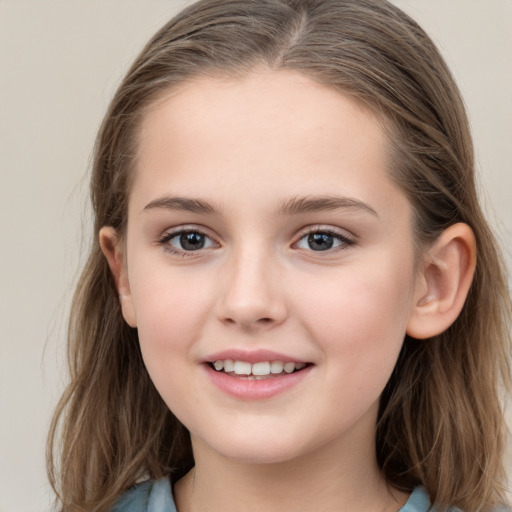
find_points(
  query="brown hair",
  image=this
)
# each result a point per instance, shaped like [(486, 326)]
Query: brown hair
[(440, 421)]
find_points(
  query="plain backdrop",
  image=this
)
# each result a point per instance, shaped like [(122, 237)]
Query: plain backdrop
[(59, 64)]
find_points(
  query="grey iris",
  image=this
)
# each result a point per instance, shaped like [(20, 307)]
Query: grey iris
[(192, 241), (320, 241)]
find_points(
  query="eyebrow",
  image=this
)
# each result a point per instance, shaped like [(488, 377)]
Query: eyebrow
[(181, 204), (294, 206), (311, 204)]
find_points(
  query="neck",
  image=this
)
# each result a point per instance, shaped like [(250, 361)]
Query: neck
[(316, 481)]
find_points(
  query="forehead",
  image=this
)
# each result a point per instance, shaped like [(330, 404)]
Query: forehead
[(274, 132), (274, 93)]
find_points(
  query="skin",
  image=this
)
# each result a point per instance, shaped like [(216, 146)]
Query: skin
[(278, 138)]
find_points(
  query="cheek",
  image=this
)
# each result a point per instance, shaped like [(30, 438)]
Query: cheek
[(359, 327), (170, 314), (169, 321), (361, 311)]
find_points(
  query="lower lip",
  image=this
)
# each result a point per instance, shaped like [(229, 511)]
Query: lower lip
[(245, 389)]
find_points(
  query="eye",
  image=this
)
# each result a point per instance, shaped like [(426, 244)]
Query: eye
[(323, 240), (186, 240)]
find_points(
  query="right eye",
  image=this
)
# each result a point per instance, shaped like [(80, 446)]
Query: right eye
[(186, 241)]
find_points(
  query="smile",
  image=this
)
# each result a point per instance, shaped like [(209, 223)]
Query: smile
[(257, 379), (256, 371)]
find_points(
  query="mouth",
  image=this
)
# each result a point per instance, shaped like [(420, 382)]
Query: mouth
[(256, 375), (261, 370)]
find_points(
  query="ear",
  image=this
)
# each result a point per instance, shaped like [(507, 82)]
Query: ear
[(113, 251), (443, 283)]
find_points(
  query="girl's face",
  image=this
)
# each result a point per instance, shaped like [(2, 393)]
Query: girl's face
[(264, 228)]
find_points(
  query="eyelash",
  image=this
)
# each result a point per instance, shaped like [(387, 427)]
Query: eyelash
[(169, 235), (344, 241)]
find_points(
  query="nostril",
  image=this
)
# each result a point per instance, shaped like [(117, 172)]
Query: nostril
[(265, 320)]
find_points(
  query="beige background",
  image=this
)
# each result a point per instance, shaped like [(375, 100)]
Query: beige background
[(59, 64)]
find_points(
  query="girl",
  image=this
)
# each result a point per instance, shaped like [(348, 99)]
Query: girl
[(293, 301)]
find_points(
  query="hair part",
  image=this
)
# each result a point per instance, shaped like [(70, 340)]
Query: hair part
[(440, 422)]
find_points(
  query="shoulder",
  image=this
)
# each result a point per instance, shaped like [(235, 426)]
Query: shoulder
[(149, 496), (417, 502), (420, 502)]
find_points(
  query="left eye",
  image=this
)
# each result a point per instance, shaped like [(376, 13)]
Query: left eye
[(323, 241), (189, 241)]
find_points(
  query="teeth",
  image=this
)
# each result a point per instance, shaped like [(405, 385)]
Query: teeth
[(242, 368), (289, 367), (276, 367), (258, 370)]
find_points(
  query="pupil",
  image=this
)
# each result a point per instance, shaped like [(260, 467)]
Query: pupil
[(192, 241), (320, 241)]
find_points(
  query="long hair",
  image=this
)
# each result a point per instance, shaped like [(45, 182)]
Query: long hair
[(440, 420)]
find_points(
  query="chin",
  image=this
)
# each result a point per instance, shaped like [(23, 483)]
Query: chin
[(249, 447), (258, 456)]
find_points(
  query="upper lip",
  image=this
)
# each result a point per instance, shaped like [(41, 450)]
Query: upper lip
[(251, 356)]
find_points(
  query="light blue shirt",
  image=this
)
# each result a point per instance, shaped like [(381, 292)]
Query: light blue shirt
[(149, 496), (156, 496)]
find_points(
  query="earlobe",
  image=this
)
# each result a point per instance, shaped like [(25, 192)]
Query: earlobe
[(443, 283), (112, 250)]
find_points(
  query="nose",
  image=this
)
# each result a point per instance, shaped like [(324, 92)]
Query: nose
[(251, 297)]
